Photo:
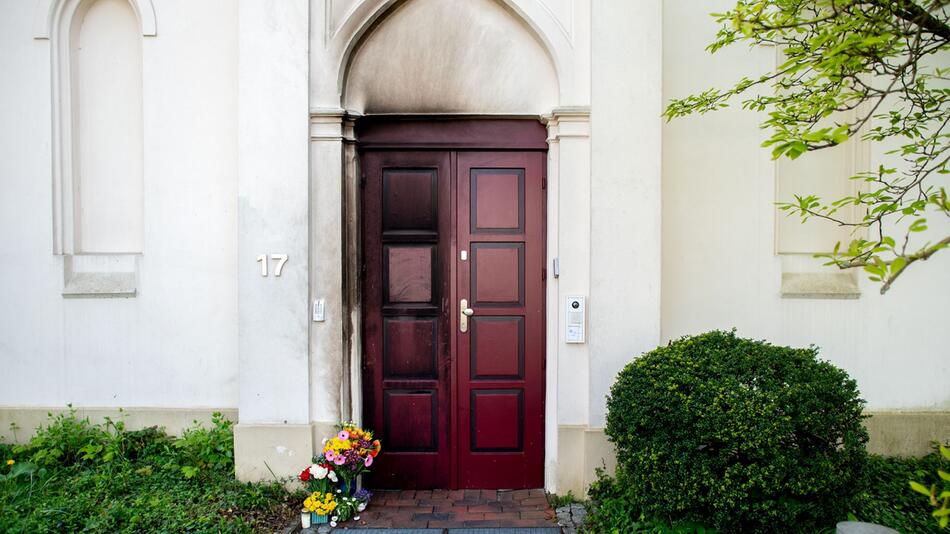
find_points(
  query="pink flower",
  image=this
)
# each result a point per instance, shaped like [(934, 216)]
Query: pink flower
[(369, 461), (339, 460), (329, 455), (343, 435)]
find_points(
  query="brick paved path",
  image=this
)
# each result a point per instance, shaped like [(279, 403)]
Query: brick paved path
[(456, 509)]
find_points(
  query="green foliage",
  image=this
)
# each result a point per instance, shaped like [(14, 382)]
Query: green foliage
[(613, 509), (557, 501), (853, 68), (886, 499), (737, 434), (207, 449), (67, 440), (134, 483), (346, 508), (939, 498)]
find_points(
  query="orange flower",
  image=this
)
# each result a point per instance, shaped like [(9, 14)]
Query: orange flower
[(377, 446)]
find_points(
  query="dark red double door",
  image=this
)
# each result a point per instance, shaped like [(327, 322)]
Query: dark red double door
[(453, 245)]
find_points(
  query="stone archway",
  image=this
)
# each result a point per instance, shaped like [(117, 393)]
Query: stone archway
[(460, 78), (431, 57)]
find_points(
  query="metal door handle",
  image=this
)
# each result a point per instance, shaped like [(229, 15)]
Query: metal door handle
[(466, 312)]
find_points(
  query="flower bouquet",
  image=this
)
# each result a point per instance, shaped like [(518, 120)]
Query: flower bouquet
[(320, 505), (350, 453), (331, 479)]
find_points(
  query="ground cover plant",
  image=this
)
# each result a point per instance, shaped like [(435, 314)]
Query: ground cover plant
[(77, 476), (885, 500), (734, 434)]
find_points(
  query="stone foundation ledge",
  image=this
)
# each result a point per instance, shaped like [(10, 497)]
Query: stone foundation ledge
[(174, 420)]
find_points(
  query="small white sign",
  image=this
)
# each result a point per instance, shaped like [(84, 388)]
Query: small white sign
[(318, 310), (575, 319)]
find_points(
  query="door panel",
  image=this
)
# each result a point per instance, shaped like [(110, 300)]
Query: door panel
[(407, 236), (454, 409), (500, 358)]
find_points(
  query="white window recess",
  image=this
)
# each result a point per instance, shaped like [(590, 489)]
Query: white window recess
[(97, 141), (825, 173)]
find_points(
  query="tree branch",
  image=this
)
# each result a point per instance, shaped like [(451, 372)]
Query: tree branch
[(911, 12)]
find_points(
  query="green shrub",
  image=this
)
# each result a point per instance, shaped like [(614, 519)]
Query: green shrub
[(612, 509), (66, 440), (204, 449), (887, 500), (69, 440), (738, 434), (938, 493)]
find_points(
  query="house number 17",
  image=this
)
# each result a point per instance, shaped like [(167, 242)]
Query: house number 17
[(279, 259)]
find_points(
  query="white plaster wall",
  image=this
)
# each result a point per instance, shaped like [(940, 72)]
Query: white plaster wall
[(625, 191), (274, 206), (573, 253), (719, 265), (175, 344)]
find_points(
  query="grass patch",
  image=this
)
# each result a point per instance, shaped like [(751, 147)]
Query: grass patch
[(75, 476)]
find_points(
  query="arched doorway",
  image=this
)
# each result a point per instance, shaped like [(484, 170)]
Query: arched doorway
[(460, 397)]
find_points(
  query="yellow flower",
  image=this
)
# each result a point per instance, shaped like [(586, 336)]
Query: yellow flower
[(10, 462), (320, 503)]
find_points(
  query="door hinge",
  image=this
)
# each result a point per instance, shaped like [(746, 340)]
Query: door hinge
[(544, 182), (544, 273)]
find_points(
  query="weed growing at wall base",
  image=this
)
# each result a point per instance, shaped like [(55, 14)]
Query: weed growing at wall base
[(78, 476)]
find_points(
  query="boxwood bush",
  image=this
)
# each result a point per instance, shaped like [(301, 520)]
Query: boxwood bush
[(738, 434)]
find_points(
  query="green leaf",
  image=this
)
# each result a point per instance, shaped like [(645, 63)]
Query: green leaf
[(918, 226), (920, 488), (898, 264), (189, 471)]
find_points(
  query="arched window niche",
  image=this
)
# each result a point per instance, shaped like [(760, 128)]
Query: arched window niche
[(97, 141)]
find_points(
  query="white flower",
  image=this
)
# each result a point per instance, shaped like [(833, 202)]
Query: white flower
[(319, 472), (339, 491), (334, 518), (361, 506), (332, 476), (332, 523), (356, 518)]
